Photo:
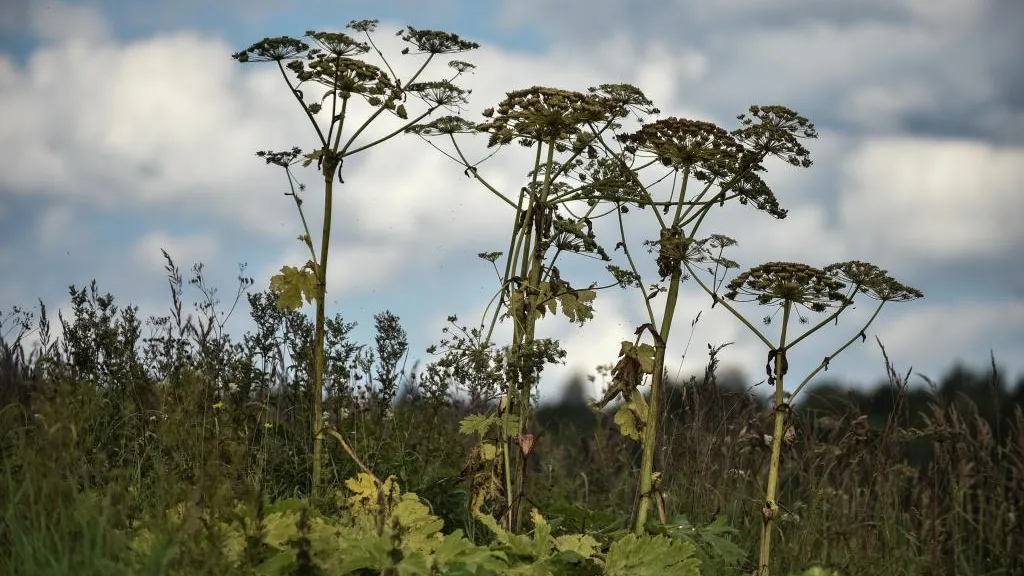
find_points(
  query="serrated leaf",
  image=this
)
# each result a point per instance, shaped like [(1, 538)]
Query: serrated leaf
[(400, 111), (627, 422), (632, 416), (456, 550), (644, 353), (583, 544), (577, 305), (279, 528), (488, 451), (512, 426), (477, 424), (651, 556), (292, 286)]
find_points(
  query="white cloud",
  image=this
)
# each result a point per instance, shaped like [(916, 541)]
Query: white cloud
[(56, 21), (933, 199), (934, 336), (169, 124), (55, 226), (193, 248)]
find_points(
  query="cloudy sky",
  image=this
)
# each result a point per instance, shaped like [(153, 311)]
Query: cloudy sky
[(125, 127)]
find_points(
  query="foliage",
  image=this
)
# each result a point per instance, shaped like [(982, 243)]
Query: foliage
[(187, 452)]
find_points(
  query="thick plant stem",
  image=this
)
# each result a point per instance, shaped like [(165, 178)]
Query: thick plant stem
[(330, 165), (650, 438), (771, 505)]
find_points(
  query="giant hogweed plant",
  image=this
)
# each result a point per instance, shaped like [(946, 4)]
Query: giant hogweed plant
[(724, 166), (702, 167), (337, 65), (552, 216), (792, 287)]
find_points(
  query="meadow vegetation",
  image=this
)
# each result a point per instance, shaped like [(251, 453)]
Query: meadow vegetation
[(165, 446)]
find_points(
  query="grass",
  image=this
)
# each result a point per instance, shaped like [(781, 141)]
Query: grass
[(95, 454)]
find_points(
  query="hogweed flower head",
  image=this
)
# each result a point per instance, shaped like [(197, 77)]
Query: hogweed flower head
[(435, 41), (776, 131), (343, 75), (625, 98), (439, 93), (753, 190), (272, 50), (682, 143), (445, 125), (778, 283), (873, 281), (337, 44), (540, 114)]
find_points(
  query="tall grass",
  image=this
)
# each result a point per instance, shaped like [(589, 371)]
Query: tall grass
[(108, 433)]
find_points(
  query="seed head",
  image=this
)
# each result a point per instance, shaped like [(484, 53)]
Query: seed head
[(343, 75), (541, 114), (777, 283), (439, 93), (873, 281), (443, 126), (436, 41), (752, 189), (682, 143), (776, 131), (338, 43), (626, 98), (272, 50)]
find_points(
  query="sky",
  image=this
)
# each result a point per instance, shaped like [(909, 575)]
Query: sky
[(126, 128)]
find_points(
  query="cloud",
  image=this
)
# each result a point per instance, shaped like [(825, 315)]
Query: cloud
[(55, 21), (937, 336), (939, 69), (934, 199), (914, 170), (56, 224), (195, 248)]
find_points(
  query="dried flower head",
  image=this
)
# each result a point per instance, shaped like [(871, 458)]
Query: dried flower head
[(435, 41), (541, 114), (338, 43), (752, 189), (777, 283), (873, 281), (776, 131), (343, 75), (364, 26), (626, 98), (272, 50), (682, 143), (444, 125), (439, 93)]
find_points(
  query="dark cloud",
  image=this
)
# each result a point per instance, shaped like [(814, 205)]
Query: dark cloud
[(948, 68)]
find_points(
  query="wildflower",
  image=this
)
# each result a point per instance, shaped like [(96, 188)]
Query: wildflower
[(777, 283), (873, 281)]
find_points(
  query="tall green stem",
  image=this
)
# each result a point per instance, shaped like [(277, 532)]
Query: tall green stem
[(771, 504), (329, 167), (650, 440)]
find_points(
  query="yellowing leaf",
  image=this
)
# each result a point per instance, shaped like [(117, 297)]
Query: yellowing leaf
[(293, 285), (645, 355), (577, 305), (585, 545), (488, 451)]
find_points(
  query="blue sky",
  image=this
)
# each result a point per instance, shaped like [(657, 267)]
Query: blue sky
[(127, 128)]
